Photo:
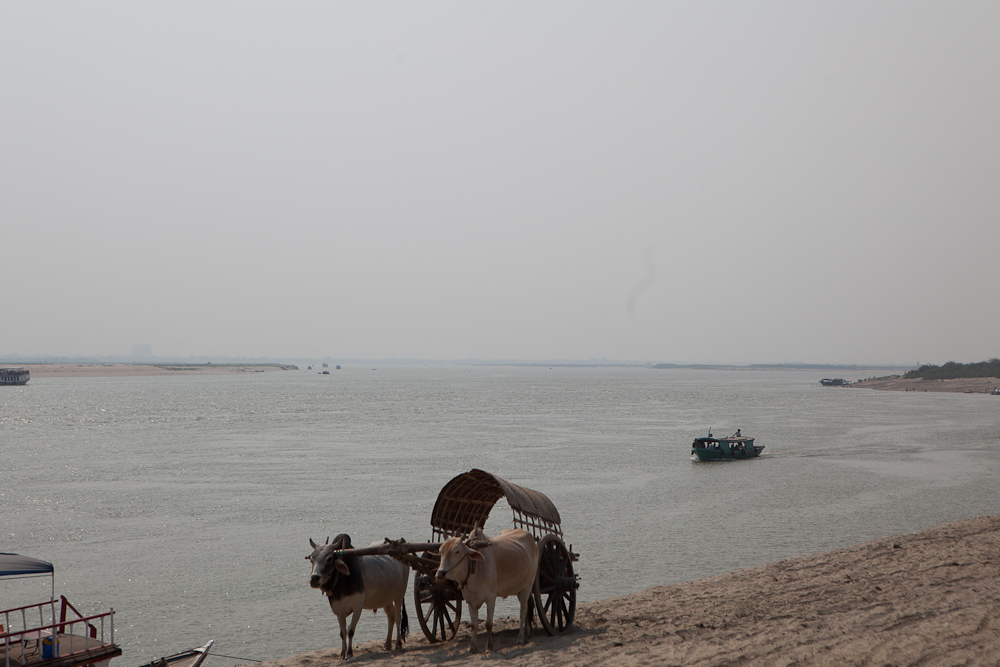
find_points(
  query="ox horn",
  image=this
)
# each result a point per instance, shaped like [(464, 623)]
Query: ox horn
[(327, 539), (312, 544), (477, 539)]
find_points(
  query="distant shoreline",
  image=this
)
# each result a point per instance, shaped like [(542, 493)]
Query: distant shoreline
[(954, 385), (854, 368), (890, 383), (146, 370)]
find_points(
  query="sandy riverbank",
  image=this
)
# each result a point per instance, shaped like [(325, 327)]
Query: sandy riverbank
[(144, 370), (897, 383), (929, 598)]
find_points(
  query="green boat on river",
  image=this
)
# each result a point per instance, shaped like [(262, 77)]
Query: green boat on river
[(736, 446)]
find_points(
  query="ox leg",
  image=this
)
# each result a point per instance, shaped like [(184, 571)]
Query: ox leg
[(343, 636), (390, 612), (350, 631), (398, 607), (474, 622), (342, 621), (524, 597), (490, 604)]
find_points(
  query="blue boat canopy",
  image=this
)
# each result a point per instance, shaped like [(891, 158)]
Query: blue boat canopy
[(14, 565)]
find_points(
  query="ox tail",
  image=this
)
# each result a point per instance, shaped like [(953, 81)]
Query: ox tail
[(404, 624)]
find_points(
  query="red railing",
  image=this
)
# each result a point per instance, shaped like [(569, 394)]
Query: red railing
[(62, 619)]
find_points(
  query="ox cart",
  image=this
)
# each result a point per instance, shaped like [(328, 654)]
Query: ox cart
[(463, 504)]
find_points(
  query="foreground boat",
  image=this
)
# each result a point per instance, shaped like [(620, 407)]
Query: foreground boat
[(191, 658), (51, 633), (736, 446)]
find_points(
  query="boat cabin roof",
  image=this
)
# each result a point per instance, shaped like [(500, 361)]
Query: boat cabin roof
[(734, 439), (15, 565)]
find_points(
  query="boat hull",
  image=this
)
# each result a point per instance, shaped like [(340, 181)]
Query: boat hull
[(191, 658), (719, 455)]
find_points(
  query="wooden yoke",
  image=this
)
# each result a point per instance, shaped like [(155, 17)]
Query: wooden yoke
[(402, 551), (478, 543), (405, 552)]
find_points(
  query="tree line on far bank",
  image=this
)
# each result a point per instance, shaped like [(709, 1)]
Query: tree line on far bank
[(950, 370)]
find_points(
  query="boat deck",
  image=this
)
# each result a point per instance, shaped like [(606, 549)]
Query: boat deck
[(73, 650)]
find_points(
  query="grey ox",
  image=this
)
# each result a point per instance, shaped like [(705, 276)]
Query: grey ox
[(355, 583), (507, 566)]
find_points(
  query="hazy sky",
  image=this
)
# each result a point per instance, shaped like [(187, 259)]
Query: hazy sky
[(732, 182)]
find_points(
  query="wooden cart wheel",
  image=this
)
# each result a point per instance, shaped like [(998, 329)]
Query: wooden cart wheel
[(438, 611), (555, 585)]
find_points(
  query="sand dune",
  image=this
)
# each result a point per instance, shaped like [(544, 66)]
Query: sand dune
[(897, 383)]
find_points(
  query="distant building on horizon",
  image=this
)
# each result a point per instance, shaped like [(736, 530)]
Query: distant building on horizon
[(142, 350)]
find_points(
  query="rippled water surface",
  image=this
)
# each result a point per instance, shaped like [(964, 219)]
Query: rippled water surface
[(186, 503)]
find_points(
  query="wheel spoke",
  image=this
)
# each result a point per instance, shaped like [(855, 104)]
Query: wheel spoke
[(439, 624), (446, 623)]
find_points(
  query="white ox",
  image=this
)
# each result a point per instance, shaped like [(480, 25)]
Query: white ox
[(355, 583), (507, 566)]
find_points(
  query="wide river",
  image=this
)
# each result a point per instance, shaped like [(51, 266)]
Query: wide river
[(187, 503)]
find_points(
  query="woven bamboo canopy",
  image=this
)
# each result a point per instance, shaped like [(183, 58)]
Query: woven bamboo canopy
[(466, 501)]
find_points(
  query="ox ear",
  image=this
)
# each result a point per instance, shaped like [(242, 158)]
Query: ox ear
[(312, 544), (342, 567), (476, 555)]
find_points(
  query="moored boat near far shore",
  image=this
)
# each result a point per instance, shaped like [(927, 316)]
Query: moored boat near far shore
[(14, 376), (736, 446), (835, 382)]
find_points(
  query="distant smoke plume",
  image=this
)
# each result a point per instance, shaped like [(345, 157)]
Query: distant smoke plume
[(642, 285)]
